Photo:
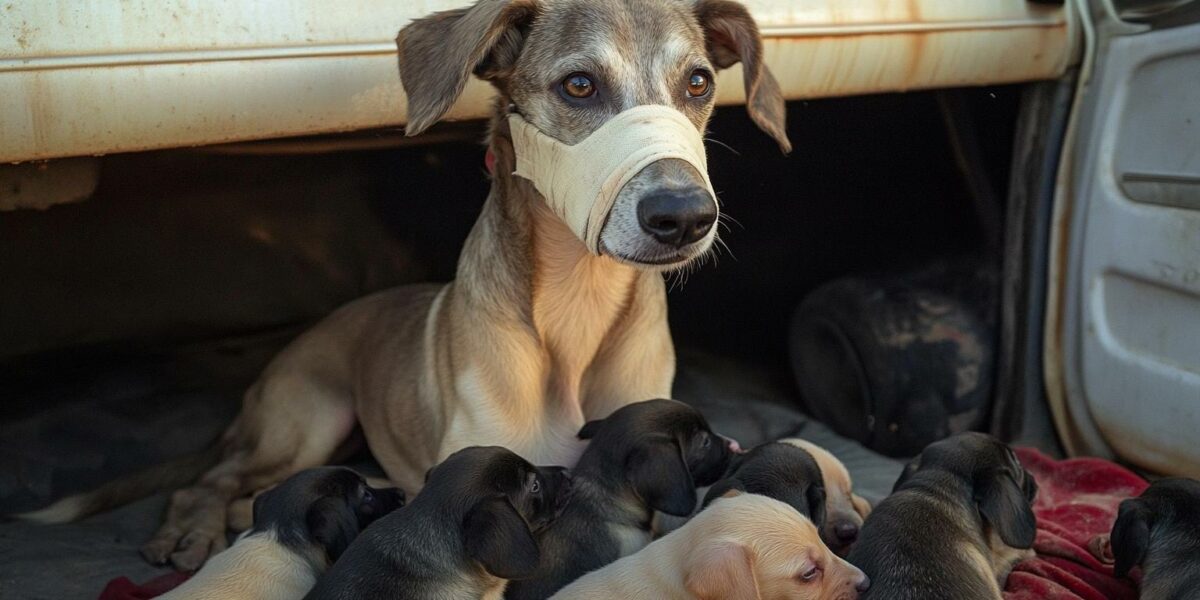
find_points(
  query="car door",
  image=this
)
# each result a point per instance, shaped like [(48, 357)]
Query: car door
[(1122, 336)]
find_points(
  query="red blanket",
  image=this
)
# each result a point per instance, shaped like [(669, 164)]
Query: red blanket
[(1077, 501), (122, 588)]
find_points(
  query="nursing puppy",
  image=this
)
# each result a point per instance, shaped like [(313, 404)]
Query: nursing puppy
[(469, 531), (845, 511), (745, 547), (300, 528), (780, 471), (959, 517), (645, 457), (1160, 532)]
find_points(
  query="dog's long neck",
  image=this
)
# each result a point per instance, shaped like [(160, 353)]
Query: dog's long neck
[(523, 261)]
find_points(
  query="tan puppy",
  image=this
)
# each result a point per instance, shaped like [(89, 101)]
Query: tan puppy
[(541, 330), (845, 511), (742, 547)]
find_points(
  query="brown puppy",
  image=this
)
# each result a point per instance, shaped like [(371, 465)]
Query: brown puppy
[(540, 332), (845, 511), (744, 547), (959, 518)]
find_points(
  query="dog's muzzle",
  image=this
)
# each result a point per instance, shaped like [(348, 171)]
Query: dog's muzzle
[(581, 182)]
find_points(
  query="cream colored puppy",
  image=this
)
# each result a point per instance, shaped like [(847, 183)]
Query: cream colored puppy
[(742, 547), (845, 511)]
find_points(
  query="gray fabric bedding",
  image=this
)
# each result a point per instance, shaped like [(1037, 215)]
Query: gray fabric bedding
[(122, 421)]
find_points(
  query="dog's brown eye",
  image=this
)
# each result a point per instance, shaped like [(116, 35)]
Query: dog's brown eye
[(698, 84), (578, 85), (535, 487)]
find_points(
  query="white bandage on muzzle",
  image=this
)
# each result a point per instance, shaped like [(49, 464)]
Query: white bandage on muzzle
[(581, 182)]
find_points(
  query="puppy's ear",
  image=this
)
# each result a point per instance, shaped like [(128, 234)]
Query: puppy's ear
[(732, 36), (438, 54), (815, 496), (660, 476), (1130, 537), (1003, 503), (722, 487), (333, 525), (861, 506), (495, 535), (589, 429), (724, 571)]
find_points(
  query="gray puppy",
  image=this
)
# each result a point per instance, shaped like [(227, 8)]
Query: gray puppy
[(958, 519), (644, 457), (1160, 532), (469, 531)]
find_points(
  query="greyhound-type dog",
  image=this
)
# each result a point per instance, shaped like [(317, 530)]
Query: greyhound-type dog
[(546, 326)]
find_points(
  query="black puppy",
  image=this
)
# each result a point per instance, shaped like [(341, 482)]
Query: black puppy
[(1160, 532), (959, 518), (300, 528), (644, 457), (469, 531), (780, 471)]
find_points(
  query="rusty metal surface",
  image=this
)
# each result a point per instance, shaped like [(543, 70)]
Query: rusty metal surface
[(92, 78)]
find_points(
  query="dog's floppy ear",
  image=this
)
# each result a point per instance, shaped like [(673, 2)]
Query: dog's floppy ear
[(722, 487), (496, 536), (332, 524), (861, 506), (438, 54), (660, 476), (1130, 537), (732, 36), (1003, 503), (589, 429), (723, 571), (815, 496)]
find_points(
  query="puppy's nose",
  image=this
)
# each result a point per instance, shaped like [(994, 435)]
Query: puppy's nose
[(733, 444), (863, 584), (846, 532), (677, 217)]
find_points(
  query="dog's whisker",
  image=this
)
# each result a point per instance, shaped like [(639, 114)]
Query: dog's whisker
[(725, 218), (723, 145)]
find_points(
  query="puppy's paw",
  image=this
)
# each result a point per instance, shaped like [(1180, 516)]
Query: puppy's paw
[(1101, 548)]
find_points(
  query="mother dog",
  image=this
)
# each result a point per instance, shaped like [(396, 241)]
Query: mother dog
[(558, 312)]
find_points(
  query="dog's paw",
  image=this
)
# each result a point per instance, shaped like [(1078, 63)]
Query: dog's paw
[(194, 530)]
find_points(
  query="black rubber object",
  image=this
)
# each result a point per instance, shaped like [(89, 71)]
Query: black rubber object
[(897, 362)]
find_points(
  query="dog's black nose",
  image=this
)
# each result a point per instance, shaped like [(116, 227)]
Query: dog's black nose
[(846, 532), (677, 217)]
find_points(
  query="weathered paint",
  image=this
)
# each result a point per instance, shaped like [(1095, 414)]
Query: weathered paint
[(79, 78)]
